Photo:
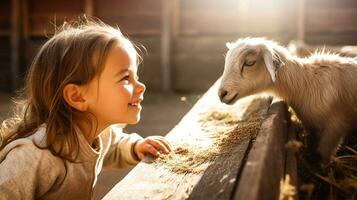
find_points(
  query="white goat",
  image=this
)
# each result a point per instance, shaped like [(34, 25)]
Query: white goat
[(322, 89)]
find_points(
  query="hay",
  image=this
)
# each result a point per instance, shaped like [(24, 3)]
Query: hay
[(221, 130), (287, 190), (338, 180)]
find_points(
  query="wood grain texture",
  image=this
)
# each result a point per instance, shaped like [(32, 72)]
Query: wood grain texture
[(265, 165)]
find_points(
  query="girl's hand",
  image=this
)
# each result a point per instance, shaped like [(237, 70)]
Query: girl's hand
[(154, 145)]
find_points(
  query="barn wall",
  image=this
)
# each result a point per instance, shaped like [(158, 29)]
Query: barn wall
[(331, 22), (5, 55), (200, 29), (206, 25)]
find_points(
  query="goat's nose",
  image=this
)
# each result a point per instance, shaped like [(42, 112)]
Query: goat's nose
[(222, 93)]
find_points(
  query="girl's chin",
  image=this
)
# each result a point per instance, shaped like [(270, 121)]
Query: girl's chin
[(134, 121), (126, 122)]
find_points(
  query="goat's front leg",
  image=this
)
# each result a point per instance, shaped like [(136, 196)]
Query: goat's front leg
[(329, 139)]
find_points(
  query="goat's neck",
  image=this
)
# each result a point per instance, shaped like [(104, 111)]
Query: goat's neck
[(292, 81)]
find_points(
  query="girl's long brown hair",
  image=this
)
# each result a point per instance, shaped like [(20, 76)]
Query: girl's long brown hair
[(75, 54)]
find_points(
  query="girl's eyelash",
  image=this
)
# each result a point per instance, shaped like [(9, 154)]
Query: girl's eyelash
[(125, 78)]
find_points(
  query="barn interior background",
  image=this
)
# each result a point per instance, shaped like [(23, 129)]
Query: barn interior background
[(184, 39)]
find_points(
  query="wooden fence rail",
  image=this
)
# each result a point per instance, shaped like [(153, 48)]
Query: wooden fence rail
[(245, 166)]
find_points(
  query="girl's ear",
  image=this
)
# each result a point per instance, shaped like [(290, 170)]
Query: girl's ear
[(72, 94)]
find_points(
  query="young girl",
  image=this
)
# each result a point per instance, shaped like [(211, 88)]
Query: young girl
[(83, 80)]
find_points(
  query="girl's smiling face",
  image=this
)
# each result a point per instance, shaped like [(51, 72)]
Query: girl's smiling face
[(116, 95)]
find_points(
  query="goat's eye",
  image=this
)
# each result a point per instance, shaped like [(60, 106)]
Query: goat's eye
[(249, 63)]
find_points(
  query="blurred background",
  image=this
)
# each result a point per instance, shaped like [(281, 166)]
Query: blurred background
[(184, 41)]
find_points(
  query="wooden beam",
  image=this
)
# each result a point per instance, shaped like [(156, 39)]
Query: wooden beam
[(265, 165), (219, 179), (166, 37), (15, 42), (25, 19), (175, 18), (301, 20), (88, 7)]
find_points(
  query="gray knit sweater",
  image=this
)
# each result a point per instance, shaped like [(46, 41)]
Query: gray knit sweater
[(28, 172)]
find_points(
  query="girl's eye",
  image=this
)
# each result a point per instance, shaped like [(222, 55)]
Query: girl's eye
[(249, 63), (125, 78)]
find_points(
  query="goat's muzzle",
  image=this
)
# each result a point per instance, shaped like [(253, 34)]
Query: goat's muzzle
[(224, 96), (222, 93)]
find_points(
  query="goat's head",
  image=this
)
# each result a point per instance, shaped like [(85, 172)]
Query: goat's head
[(250, 67)]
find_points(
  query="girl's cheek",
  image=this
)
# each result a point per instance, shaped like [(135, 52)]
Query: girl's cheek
[(129, 89)]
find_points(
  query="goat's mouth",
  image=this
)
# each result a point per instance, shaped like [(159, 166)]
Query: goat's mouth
[(232, 100)]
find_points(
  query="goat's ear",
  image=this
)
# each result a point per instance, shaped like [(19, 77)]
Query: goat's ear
[(229, 45), (272, 63)]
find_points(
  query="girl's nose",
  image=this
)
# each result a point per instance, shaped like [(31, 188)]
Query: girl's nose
[(140, 87)]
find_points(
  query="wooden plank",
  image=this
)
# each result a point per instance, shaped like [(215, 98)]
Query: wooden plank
[(89, 7), (204, 44), (223, 5), (175, 18), (228, 17), (211, 44), (45, 25), (150, 73), (45, 15), (221, 170), (148, 44), (166, 40), (188, 67), (134, 17), (331, 39), (15, 42), (5, 18), (301, 20), (159, 181), (25, 19), (32, 46), (134, 24), (214, 22), (339, 20), (5, 69), (331, 3), (127, 6), (55, 7), (150, 68), (265, 165)]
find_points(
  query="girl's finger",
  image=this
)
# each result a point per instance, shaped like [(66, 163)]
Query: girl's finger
[(141, 156), (150, 149), (165, 142), (158, 145)]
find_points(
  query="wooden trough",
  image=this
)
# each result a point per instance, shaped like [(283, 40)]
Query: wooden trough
[(216, 158)]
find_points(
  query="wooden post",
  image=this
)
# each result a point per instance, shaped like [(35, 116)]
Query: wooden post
[(15, 42), (166, 34), (175, 18), (25, 20), (88, 7), (301, 20)]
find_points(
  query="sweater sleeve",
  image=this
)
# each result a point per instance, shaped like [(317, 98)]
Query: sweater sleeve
[(27, 172), (121, 153)]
